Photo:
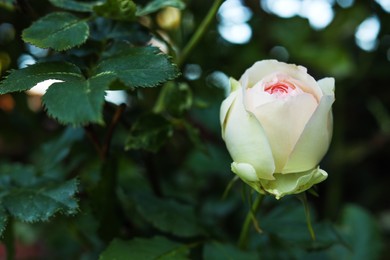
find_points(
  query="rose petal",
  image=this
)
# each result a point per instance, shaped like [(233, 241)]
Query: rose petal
[(314, 140), (246, 141), (293, 183), (224, 111), (283, 122), (299, 75), (327, 86)]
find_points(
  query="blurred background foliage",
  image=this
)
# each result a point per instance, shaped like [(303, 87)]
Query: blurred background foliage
[(172, 166)]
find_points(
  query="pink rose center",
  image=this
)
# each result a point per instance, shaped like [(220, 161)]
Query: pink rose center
[(280, 88)]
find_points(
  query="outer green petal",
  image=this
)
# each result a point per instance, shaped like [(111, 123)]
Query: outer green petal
[(248, 175), (245, 171), (294, 182), (314, 140), (246, 141)]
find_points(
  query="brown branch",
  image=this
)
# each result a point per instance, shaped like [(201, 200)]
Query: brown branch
[(110, 132), (94, 139)]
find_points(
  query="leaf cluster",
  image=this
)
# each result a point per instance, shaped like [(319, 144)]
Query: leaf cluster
[(77, 97)]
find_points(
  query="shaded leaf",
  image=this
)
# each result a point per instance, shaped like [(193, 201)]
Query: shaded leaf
[(17, 175), (24, 79), (123, 10), (134, 33), (41, 202), (361, 234), (74, 5), (60, 31), (79, 101), (150, 133), (156, 5), (286, 235), (140, 248), (216, 251), (3, 220), (139, 67), (169, 216), (52, 153)]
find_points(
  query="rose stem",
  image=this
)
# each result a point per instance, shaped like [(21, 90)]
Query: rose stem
[(199, 32), (243, 240)]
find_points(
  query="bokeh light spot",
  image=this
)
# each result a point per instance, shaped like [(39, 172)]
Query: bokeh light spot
[(233, 17), (367, 33)]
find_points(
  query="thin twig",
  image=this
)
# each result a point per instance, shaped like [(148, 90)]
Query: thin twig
[(94, 139), (111, 128), (199, 32)]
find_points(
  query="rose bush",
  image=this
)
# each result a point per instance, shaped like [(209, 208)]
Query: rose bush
[(277, 125)]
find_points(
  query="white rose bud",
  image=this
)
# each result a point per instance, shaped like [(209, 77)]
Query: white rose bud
[(277, 125)]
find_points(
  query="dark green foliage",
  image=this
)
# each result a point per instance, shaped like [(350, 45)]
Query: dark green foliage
[(123, 10), (150, 132), (358, 229), (139, 248), (169, 216), (219, 251), (31, 198), (75, 5), (40, 202), (3, 220), (156, 5)]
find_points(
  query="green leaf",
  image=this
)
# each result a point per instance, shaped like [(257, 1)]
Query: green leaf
[(361, 233), (42, 202), (286, 235), (150, 133), (139, 67), (73, 5), (156, 5), (16, 175), (123, 10), (24, 79), (79, 101), (169, 216), (140, 248), (52, 153), (219, 251), (3, 220), (60, 31), (129, 32), (74, 101)]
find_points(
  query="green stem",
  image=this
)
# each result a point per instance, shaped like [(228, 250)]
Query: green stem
[(243, 240), (303, 198), (199, 32)]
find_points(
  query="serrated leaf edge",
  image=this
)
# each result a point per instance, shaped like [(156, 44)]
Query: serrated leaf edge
[(86, 35)]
